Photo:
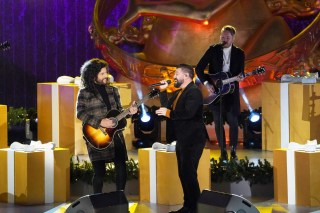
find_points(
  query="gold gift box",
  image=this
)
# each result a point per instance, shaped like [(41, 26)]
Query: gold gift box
[(28, 182), (168, 186), (3, 126), (306, 175)]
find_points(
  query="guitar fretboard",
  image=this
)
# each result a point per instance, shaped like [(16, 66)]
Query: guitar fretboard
[(138, 103)]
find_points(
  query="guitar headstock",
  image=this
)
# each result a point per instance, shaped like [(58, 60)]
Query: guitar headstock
[(153, 93), (259, 70), (5, 45)]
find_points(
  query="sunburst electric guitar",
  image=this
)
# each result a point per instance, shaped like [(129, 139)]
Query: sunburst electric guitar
[(101, 137), (227, 86)]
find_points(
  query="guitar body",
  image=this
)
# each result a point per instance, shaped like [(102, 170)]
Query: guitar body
[(101, 138), (227, 83), (214, 97)]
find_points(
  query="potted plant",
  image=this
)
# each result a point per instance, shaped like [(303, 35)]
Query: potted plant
[(242, 177), (260, 176), (17, 117), (81, 177)]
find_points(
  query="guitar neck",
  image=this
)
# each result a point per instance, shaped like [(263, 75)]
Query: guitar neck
[(235, 78), (127, 111), (229, 80)]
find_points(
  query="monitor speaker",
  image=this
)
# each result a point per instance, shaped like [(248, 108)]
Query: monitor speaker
[(112, 202), (219, 202)]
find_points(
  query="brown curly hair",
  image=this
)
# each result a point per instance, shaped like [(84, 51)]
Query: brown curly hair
[(89, 71)]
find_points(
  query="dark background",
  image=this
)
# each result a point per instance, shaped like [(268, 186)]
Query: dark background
[(49, 38)]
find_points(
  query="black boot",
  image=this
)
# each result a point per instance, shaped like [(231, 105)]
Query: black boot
[(224, 155), (233, 154)]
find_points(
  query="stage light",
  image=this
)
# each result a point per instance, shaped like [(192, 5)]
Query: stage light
[(254, 116), (252, 133), (206, 22), (146, 127), (254, 120), (145, 117)]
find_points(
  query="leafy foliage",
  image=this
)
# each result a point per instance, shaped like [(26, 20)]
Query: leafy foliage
[(18, 115), (233, 171), (84, 171), (228, 172), (260, 173)]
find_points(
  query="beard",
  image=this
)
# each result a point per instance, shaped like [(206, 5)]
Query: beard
[(177, 83), (101, 82)]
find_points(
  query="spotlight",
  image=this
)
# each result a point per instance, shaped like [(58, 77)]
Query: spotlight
[(146, 123), (252, 129), (254, 122), (145, 118), (254, 116), (206, 22), (146, 127)]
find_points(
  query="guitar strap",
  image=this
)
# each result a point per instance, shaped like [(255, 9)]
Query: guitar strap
[(116, 99), (119, 107)]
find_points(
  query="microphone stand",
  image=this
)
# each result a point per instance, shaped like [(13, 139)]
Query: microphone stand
[(220, 112)]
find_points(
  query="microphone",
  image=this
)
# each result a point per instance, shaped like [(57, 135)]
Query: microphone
[(222, 43), (159, 84)]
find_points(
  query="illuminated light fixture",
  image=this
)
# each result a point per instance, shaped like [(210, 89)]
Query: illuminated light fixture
[(145, 117), (252, 134), (254, 116), (206, 22), (253, 130), (146, 127)]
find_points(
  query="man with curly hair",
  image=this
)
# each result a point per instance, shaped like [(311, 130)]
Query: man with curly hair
[(95, 99)]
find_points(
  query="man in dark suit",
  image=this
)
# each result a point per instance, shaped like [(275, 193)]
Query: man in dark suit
[(227, 58), (185, 110)]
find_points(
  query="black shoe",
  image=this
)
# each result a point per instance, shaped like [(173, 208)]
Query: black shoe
[(182, 210), (233, 154), (224, 155)]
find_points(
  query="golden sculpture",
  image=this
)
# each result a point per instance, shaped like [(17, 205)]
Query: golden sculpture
[(180, 31)]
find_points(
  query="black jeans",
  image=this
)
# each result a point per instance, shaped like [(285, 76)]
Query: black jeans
[(99, 168), (188, 160), (232, 121)]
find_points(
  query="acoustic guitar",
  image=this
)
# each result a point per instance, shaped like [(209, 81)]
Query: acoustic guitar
[(102, 137), (227, 84)]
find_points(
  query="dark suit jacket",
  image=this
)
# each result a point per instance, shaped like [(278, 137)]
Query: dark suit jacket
[(187, 117), (214, 58)]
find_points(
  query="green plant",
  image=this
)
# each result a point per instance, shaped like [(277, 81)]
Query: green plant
[(84, 171), (18, 115), (256, 173), (233, 171), (228, 172)]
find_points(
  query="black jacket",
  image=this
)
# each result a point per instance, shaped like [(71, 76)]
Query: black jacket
[(214, 58), (187, 117)]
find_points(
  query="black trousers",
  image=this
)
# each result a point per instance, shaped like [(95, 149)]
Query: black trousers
[(232, 121), (99, 168), (188, 160)]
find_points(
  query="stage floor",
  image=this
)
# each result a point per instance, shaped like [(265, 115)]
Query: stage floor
[(264, 205)]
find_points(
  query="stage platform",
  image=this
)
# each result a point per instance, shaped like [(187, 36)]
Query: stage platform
[(264, 206)]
